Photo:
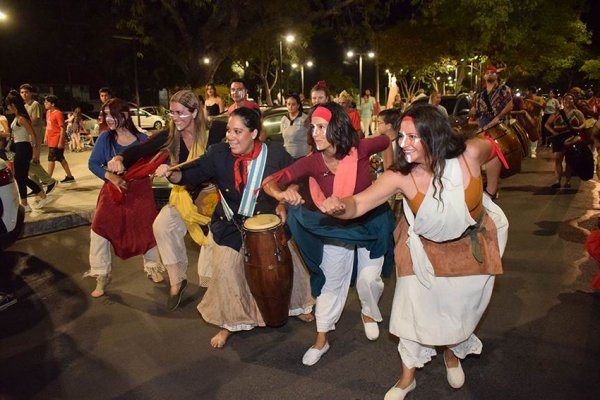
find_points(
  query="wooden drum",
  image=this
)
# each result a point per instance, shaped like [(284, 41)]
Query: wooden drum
[(521, 135), (509, 145), (531, 125), (268, 267)]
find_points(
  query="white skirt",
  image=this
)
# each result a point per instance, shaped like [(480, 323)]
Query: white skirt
[(445, 314)]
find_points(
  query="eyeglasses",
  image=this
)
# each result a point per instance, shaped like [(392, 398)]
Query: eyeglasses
[(178, 114), (410, 137)]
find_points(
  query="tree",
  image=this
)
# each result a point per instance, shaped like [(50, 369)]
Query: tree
[(592, 69)]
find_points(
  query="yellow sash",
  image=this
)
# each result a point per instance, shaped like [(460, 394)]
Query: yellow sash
[(182, 201)]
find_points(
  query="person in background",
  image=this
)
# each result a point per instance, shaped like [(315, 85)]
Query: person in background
[(125, 209), (367, 109), (26, 149), (552, 106), (346, 100), (239, 94), (319, 93), (293, 128), (444, 283), (56, 135), (4, 134), (213, 104), (37, 173), (76, 129), (387, 121), (435, 98), (105, 95)]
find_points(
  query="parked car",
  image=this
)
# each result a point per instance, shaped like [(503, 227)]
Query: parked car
[(11, 210), (155, 110), (147, 120)]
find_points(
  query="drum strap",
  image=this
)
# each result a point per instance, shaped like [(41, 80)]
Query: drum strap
[(256, 168), (495, 149)]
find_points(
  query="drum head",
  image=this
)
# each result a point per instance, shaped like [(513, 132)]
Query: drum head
[(262, 222)]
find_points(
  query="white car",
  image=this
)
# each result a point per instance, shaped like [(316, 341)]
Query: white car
[(11, 210), (147, 120)]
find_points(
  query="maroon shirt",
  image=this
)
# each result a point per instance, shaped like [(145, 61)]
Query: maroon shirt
[(314, 165)]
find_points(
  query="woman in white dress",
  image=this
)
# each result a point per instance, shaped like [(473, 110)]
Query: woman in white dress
[(448, 246)]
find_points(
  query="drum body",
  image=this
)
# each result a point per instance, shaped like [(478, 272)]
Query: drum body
[(268, 267), (521, 135), (579, 157), (207, 200), (510, 146), (531, 125)]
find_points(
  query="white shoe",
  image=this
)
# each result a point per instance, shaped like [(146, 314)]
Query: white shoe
[(533, 155), (42, 202), (455, 376), (312, 355), (371, 329), (156, 277), (395, 393)]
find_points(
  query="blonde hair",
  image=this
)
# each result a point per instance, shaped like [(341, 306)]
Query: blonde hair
[(188, 99)]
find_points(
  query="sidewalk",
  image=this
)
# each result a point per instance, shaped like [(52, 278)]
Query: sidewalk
[(71, 204)]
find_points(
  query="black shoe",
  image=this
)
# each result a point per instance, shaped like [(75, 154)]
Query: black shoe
[(6, 300), (174, 300), (68, 179), (556, 185), (50, 187)]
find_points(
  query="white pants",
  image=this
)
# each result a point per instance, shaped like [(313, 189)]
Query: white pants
[(169, 232), (338, 259), (101, 257), (416, 355)]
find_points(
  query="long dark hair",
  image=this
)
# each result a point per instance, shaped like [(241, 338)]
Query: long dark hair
[(120, 111), (15, 99), (437, 137), (340, 131)]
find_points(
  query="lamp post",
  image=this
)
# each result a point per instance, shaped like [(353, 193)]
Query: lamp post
[(309, 64), (134, 40), (351, 54), (3, 18), (289, 39)]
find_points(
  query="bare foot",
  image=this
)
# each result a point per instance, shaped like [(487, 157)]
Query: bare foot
[(308, 317), (451, 359), (219, 340), (175, 289)]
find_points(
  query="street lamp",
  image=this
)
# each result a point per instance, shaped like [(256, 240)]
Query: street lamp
[(3, 17), (309, 64), (134, 41), (289, 38), (351, 54)]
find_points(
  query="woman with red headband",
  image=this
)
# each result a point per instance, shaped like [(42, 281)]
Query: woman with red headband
[(339, 167), (448, 245)]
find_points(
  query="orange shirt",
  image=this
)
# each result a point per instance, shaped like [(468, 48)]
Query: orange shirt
[(55, 120)]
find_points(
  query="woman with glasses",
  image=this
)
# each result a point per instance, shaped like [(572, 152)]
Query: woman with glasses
[(214, 103), (448, 245), (339, 166), (184, 141), (237, 168), (125, 209)]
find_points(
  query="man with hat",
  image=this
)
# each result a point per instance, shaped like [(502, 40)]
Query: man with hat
[(493, 103)]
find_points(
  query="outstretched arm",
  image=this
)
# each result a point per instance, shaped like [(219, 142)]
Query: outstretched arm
[(359, 204)]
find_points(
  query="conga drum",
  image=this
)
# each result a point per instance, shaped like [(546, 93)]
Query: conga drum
[(521, 135), (510, 147), (531, 125), (579, 157), (268, 267)]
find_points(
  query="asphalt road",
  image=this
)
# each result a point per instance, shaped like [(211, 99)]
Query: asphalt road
[(541, 332)]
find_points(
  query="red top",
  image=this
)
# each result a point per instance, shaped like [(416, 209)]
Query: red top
[(55, 120), (355, 118), (245, 103), (314, 165)]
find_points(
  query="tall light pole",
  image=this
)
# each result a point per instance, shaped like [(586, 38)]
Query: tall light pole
[(134, 40), (3, 18), (289, 39), (309, 64), (351, 54)]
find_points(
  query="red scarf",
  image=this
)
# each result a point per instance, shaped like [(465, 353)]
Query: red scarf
[(243, 176)]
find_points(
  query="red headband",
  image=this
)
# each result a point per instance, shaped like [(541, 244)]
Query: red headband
[(408, 118), (322, 112)]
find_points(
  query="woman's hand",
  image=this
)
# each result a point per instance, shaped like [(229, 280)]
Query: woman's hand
[(116, 165), (163, 170), (290, 196), (116, 180), (333, 206)]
